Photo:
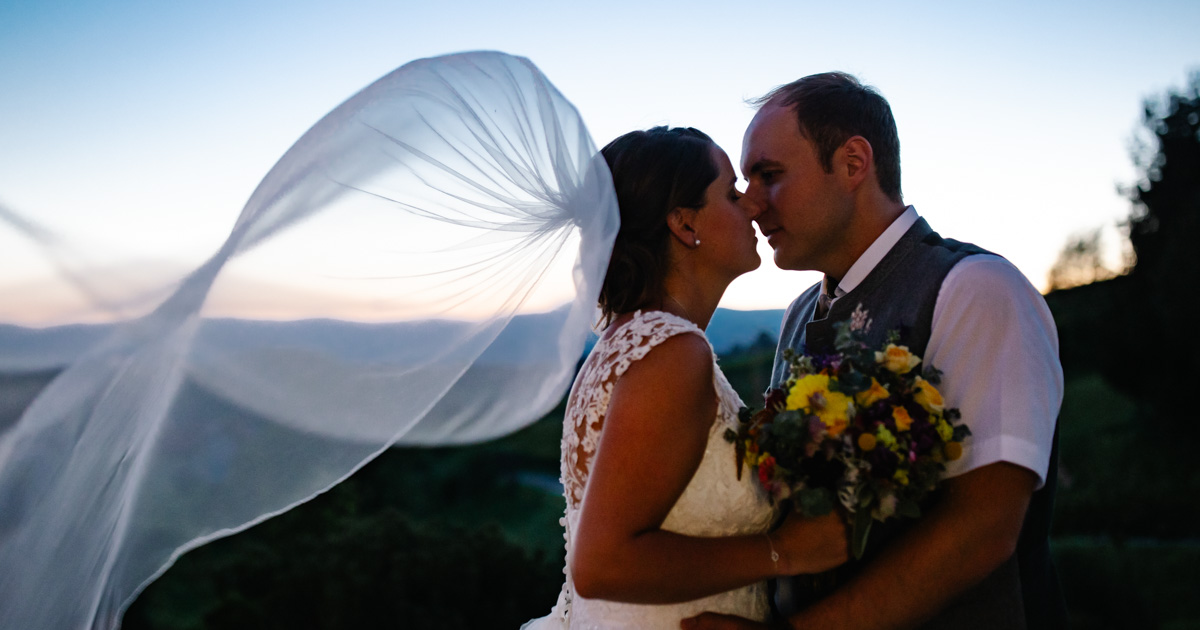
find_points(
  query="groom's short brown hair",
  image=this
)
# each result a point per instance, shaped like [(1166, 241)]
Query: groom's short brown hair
[(832, 107)]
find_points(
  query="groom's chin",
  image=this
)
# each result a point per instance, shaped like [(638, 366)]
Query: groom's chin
[(784, 262)]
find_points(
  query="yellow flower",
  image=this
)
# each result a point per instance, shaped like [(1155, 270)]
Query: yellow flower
[(953, 450), (886, 438), (871, 396), (805, 387), (928, 396), (901, 476), (903, 420), (866, 442), (944, 430), (836, 425), (897, 359), (812, 393)]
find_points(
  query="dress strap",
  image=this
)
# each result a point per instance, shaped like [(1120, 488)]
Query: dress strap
[(647, 329)]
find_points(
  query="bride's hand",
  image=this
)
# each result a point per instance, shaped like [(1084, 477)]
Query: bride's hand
[(811, 545)]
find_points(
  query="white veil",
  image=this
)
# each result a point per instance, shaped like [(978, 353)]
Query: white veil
[(438, 202)]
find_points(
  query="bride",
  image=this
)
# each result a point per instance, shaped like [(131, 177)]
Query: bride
[(658, 525)]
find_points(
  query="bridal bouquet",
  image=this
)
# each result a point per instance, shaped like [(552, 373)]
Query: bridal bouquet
[(861, 428)]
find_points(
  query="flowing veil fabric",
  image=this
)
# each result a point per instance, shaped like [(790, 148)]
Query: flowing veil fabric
[(459, 199)]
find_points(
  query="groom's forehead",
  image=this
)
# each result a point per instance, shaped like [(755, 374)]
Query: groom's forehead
[(771, 127)]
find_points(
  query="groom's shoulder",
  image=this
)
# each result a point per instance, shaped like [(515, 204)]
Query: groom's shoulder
[(797, 312), (989, 277), (953, 249), (806, 297), (956, 258)]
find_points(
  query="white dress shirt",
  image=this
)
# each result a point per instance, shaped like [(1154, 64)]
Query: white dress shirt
[(995, 341)]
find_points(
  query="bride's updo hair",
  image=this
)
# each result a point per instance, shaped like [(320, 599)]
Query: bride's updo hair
[(654, 172)]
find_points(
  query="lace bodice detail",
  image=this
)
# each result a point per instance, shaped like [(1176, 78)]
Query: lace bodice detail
[(715, 502), (590, 395)]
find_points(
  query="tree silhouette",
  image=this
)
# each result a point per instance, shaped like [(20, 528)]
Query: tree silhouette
[(1166, 219), (1080, 262), (1159, 345)]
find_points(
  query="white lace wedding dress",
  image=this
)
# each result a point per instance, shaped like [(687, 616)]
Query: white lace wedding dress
[(715, 503)]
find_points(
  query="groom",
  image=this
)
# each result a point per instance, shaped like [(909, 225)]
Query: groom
[(822, 157)]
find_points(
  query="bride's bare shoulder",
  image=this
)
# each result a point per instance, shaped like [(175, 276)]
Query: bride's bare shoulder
[(676, 371)]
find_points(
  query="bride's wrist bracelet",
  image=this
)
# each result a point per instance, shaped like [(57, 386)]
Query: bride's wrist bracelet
[(774, 554)]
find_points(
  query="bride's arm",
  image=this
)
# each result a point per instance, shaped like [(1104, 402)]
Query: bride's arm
[(654, 437)]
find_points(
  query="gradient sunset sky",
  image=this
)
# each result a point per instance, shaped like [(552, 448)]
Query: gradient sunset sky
[(144, 126)]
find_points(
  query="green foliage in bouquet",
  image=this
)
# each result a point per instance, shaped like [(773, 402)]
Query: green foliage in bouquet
[(860, 428)]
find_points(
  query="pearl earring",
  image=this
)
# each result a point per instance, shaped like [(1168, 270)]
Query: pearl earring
[(696, 244)]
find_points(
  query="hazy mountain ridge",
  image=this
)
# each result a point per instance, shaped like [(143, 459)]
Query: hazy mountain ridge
[(38, 349), (31, 357)]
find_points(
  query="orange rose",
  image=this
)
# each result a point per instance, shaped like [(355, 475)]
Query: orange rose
[(928, 396), (873, 395), (897, 359)]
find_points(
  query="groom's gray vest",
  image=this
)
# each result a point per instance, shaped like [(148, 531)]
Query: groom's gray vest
[(900, 293)]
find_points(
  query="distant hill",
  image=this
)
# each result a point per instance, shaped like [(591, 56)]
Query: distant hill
[(31, 357), (38, 349), (730, 329)]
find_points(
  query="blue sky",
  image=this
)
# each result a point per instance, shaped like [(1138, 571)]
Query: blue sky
[(143, 126)]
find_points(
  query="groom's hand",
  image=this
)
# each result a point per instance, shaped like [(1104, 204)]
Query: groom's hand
[(717, 621), (972, 529)]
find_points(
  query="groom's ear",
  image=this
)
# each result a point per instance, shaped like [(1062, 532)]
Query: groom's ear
[(854, 161)]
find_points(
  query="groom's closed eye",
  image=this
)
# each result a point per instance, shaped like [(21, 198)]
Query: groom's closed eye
[(763, 169), (766, 176)]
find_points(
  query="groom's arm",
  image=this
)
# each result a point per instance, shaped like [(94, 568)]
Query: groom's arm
[(995, 339), (971, 531)]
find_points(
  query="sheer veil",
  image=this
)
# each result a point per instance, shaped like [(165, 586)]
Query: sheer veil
[(458, 203)]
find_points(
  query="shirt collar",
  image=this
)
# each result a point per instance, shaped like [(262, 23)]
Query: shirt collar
[(875, 253)]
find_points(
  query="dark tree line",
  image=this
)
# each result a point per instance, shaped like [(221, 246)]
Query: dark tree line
[(1158, 358), (1139, 329), (1125, 515)]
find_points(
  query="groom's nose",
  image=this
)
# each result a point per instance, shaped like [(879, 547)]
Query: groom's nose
[(751, 204), (751, 209)]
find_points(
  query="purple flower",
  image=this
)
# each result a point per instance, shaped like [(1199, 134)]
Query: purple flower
[(883, 463), (816, 428)]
